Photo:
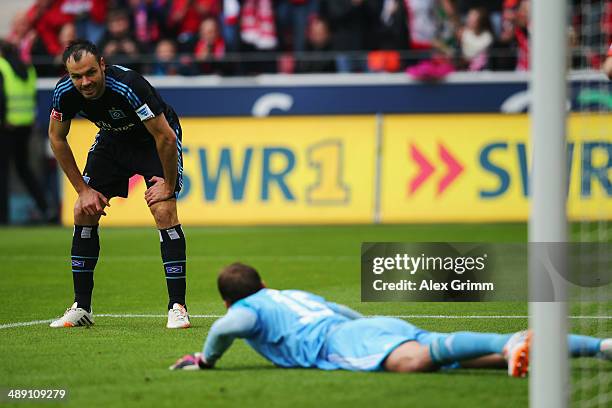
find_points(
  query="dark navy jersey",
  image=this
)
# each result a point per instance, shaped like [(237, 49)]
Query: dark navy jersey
[(127, 101)]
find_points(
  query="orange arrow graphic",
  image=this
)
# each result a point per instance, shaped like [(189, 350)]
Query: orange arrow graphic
[(454, 169), (425, 170)]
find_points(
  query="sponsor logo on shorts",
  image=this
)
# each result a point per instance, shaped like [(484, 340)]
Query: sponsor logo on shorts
[(144, 112), (117, 114), (174, 269), (56, 115)]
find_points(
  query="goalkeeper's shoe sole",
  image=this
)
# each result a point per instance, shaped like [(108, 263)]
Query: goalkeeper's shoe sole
[(516, 352), (74, 317)]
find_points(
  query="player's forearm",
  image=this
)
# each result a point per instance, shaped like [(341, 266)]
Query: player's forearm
[(65, 158), (166, 149)]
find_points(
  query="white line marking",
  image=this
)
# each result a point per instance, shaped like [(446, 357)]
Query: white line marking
[(20, 324), (155, 258), (210, 316)]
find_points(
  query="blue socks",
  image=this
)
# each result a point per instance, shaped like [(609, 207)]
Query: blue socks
[(468, 345), (583, 346)]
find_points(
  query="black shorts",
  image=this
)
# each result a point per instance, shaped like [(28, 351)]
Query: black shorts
[(112, 160)]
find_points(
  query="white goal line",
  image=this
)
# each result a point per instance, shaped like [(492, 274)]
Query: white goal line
[(209, 316)]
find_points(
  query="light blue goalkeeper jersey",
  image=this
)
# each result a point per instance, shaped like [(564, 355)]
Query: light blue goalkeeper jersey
[(287, 327)]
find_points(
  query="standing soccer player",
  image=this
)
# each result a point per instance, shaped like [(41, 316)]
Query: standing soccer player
[(139, 134)]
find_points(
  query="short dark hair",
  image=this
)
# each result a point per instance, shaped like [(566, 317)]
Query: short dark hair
[(77, 48), (237, 281)]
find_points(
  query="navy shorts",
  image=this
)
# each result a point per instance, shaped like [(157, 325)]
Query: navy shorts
[(113, 159)]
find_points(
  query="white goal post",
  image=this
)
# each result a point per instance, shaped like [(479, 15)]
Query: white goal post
[(549, 379)]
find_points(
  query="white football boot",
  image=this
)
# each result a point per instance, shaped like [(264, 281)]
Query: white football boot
[(605, 350), (516, 352), (74, 316), (178, 318)]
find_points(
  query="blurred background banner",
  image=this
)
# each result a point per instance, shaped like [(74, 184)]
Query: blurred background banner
[(357, 94), (259, 171), (471, 168), (329, 169)]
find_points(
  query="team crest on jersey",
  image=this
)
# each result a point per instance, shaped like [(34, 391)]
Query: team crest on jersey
[(117, 114)]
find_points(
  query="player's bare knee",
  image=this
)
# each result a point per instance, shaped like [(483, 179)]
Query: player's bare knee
[(165, 216), (409, 357), (409, 365)]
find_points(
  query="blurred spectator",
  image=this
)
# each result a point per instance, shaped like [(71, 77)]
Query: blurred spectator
[(422, 23), (22, 36), (67, 34), (592, 24), (258, 34), (209, 48), (391, 24), (505, 54), (493, 7), (47, 18), (149, 20), (476, 38), (257, 27), (89, 17), (349, 21), (118, 42), (230, 25), (408, 31), (55, 67), (17, 116), (521, 35), (319, 45), (167, 60), (391, 35), (186, 15), (292, 18)]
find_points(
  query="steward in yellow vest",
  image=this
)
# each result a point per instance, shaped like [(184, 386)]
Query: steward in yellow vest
[(17, 115), (19, 93)]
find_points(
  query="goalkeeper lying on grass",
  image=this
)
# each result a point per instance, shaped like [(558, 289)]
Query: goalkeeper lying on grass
[(293, 328)]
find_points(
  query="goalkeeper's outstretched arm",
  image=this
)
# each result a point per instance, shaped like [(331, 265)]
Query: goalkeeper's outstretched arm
[(238, 322)]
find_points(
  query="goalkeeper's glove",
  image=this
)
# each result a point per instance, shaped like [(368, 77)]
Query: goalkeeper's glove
[(193, 361)]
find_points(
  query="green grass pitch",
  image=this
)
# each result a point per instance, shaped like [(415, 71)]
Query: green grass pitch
[(123, 361)]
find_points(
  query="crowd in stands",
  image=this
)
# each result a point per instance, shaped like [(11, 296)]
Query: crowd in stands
[(242, 37)]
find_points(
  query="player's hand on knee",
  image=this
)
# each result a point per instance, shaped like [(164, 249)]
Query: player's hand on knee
[(193, 361), (91, 202), (158, 192)]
